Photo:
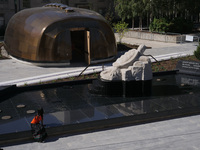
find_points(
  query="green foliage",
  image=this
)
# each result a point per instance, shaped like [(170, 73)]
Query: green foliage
[(122, 8), (129, 9), (159, 25), (177, 25), (197, 52), (169, 9), (121, 29), (109, 16), (156, 67), (72, 78)]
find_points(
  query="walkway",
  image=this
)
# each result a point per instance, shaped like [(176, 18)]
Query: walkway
[(177, 134), (14, 72)]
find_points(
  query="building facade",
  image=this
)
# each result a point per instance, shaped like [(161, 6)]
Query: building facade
[(100, 6), (38, 3), (9, 7)]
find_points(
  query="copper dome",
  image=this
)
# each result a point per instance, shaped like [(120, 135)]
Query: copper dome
[(54, 34)]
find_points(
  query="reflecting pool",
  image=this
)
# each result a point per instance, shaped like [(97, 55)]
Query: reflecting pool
[(72, 103)]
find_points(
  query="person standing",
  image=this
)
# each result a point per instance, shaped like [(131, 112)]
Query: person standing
[(37, 127)]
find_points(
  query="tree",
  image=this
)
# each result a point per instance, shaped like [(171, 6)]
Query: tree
[(125, 10), (109, 16), (129, 9), (171, 9), (168, 9), (197, 52), (141, 7)]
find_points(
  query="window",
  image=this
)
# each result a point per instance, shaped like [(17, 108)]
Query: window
[(85, 6), (1, 20), (46, 1), (2, 25), (83, 0), (3, 1), (26, 4)]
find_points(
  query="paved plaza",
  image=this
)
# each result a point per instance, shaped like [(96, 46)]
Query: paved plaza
[(15, 72), (175, 134)]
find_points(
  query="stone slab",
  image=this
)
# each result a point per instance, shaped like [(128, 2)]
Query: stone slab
[(189, 67)]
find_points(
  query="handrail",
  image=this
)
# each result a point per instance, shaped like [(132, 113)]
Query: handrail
[(151, 56), (83, 70), (103, 64)]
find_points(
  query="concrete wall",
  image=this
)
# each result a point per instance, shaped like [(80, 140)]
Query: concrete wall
[(170, 38), (7, 8)]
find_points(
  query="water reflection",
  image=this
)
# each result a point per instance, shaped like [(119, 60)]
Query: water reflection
[(74, 104)]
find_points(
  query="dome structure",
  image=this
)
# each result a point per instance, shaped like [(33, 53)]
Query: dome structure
[(57, 33)]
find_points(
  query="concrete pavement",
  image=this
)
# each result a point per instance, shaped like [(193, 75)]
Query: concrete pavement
[(176, 134), (14, 72)]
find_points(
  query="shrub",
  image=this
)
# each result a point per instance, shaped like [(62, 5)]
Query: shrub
[(177, 25), (121, 28), (197, 52), (159, 25)]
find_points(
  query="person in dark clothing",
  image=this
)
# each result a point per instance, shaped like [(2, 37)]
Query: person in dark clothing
[(37, 127)]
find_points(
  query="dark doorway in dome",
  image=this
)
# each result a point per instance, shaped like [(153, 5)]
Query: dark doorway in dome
[(80, 40)]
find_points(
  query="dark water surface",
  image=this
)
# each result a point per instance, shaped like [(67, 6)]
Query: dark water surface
[(73, 103)]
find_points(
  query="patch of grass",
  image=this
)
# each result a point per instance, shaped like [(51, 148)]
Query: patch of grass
[(197, 52)]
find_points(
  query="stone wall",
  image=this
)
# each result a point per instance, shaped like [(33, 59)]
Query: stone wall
[(169, 38)]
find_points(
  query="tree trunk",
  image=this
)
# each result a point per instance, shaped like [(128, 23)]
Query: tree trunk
[(140, 23), (150, 18), (133, 23), (147, 19)]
